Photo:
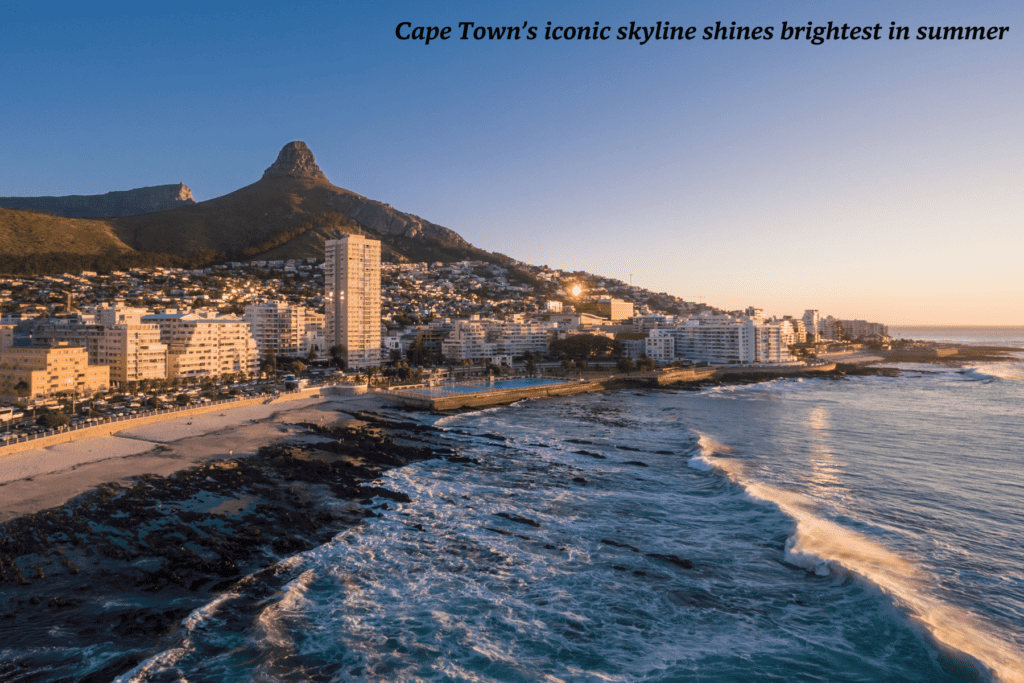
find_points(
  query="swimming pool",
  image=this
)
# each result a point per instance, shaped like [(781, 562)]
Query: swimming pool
[(482, 386)]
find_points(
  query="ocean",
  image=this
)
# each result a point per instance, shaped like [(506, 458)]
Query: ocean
[(859, 529)]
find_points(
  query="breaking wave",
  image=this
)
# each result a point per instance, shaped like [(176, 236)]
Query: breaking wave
[(967, 643)]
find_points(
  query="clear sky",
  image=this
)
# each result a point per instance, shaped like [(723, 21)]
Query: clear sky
[(868, 179)]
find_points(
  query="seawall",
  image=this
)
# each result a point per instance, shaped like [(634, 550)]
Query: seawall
[(114, 426)]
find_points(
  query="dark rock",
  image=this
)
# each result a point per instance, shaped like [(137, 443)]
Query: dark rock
[(517, 519), (678, 561), (616, 544)]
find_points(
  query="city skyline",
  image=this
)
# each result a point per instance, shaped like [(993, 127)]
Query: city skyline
[(877, 181)]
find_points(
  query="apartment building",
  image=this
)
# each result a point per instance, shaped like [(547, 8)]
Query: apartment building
[(130, 347), (812, 321), (285, 329), (352, 298), (205, 344), (50, 371), (614, 309)]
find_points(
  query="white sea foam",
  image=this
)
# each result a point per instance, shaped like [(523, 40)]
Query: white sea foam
[(823, 547), (997, 371), (168, 658)]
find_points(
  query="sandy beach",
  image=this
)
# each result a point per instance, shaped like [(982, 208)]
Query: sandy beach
[(43, 478)]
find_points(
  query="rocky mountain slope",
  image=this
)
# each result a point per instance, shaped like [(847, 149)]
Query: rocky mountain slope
[(120, 203), (288, 213)]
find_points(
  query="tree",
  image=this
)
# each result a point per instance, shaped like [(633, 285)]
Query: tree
[(21, 389), (531, 366), (626, 365), (183, 399), (644, 364), (269, 363), (580, 346), (52, 419), (154, 403), (296, 367), (493, 369), (339, 355), (311, 356)]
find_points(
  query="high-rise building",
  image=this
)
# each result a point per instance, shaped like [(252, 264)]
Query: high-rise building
[(352, 298)]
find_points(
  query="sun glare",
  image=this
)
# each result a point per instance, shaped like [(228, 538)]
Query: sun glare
[(576, 289)]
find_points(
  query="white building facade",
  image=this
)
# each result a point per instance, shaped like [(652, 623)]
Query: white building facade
[(352, 298)]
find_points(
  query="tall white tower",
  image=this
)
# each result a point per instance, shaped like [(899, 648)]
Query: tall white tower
[(352, 298)]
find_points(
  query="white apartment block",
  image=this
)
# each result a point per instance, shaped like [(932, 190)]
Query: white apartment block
[(484, 340), (133, 352), (468, 341), (285, 329), (722, 340), (660, 346), (352, 298), (131, 348), (517, 339), (812, 320), (201, 345)]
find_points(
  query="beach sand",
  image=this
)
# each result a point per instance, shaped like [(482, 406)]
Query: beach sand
[(47, 477)]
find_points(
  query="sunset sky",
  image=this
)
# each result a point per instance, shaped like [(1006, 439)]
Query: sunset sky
[(868, 179)]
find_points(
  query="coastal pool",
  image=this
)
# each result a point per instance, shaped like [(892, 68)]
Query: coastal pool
[(482, 387)]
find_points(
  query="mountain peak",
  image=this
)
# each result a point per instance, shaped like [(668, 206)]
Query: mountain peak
[(295, 161)]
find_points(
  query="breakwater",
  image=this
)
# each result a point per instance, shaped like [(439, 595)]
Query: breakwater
[(426, 399)]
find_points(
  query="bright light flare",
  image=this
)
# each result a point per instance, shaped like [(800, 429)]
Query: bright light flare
[(576, 289)]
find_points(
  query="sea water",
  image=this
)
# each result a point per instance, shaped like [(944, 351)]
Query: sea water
[(867, 529)]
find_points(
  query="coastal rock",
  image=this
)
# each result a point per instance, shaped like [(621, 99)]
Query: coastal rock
[(516, 518), (674, 559)]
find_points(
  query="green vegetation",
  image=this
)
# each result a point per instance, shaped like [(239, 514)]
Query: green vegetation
[(52, 419), (582, 346)]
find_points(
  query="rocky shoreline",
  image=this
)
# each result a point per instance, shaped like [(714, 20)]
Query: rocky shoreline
[(129, 563)]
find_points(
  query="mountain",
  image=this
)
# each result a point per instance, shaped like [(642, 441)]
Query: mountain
[(120, 203), (288, 213)]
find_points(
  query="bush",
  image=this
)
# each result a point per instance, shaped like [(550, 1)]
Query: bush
[(183, 399), (53, 419)]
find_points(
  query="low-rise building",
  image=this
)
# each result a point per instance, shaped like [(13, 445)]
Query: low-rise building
[(60, 370)]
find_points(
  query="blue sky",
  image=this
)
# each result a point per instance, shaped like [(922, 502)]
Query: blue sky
[(869, 179)]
